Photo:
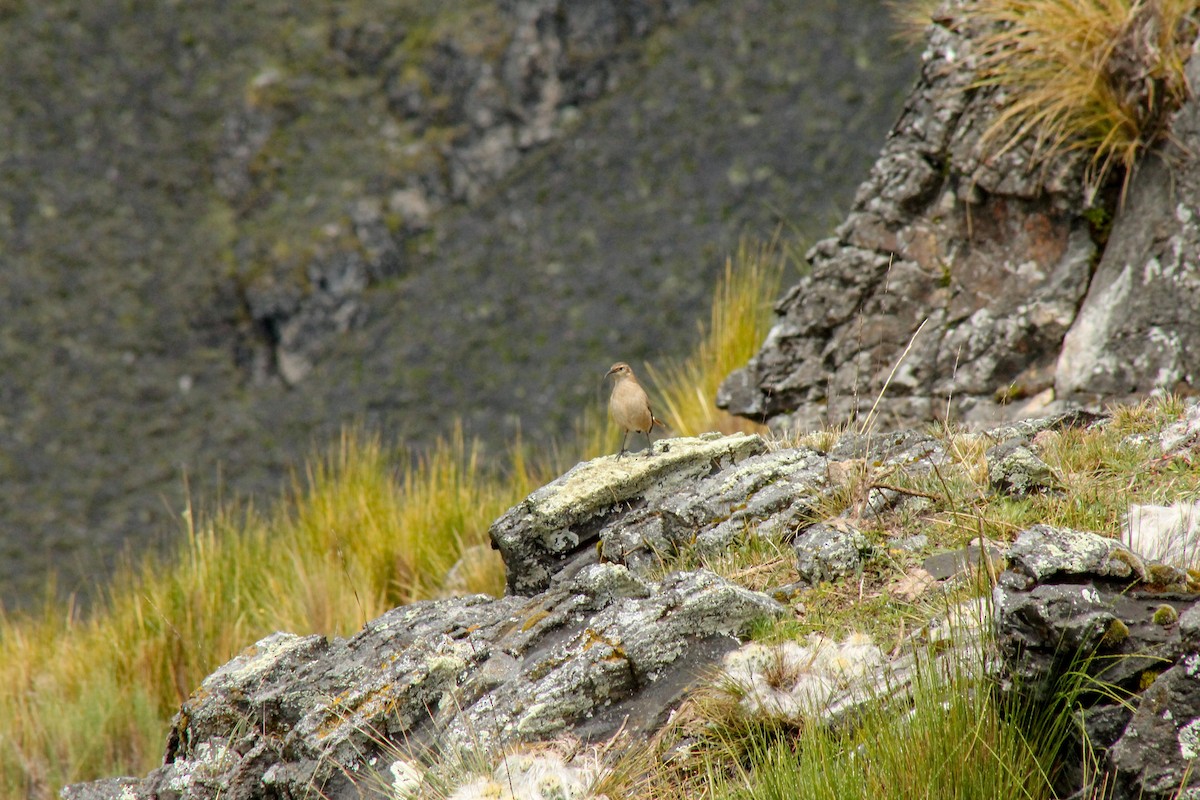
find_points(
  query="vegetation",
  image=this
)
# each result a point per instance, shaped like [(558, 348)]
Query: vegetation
[(1095, 76), (738, 323), (1098, 76)]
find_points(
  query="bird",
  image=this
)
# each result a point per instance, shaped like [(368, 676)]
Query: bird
[(629, 405)]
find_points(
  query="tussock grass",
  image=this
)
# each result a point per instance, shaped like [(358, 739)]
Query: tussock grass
[(1100, 76), (739, 320)]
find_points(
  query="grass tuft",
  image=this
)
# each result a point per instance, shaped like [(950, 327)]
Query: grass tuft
[(1100, 76), (739, 320)]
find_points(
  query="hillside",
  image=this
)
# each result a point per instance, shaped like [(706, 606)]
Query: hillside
[(213, 259)]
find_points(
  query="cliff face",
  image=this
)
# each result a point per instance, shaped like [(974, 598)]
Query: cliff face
[(978, 285), (225, 233)]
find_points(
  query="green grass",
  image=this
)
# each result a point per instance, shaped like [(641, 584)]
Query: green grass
[(954, 738)]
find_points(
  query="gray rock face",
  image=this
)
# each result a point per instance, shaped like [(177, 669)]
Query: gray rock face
[(1138, 328), (1074, 600), (589, 656), (964, 283), (702, 492)]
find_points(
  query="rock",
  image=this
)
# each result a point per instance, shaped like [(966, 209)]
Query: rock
[(1185, 433), (1137, 327), (1042, 551), (1014, 468), (962, 284), (942, 566), (594, 655), (922, 292), (1156, 754), (828, 551), (703, 492), (1169, 534), (103, 789), (1080, 603)]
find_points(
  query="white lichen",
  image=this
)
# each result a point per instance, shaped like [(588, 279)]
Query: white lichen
[(536, 775), (1189, 740), (406, 779), (792, 680)]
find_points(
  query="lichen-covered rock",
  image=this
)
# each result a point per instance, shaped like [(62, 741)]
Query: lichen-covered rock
[(1137, 329), (1014, 468), (1077, 602), (828, 551), (1156, 753), (595, 654), (1043, 551), (563, 520), (951, 282), (961, 282)]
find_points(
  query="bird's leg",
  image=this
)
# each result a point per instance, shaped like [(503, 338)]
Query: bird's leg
[(623, 437), (649, 447)]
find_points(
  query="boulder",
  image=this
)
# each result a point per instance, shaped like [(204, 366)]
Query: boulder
[(831, 550), (596, 654)]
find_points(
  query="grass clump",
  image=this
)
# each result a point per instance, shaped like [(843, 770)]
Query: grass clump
[(1099, 76), (739, 320), (952, 739)]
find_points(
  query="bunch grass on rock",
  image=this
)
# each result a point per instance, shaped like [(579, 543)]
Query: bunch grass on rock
[(1098, 76)]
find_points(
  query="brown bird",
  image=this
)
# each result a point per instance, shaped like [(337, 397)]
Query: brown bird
[(629, 405)]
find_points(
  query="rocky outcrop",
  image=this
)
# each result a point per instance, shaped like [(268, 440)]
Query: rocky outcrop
[(597, 653), (593, 639), (1137, 330), (1074, 603), (967, 285), (589, 641)]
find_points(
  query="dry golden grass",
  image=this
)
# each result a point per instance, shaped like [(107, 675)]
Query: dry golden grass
[(739, 320), (1099, 76), (367, 528)]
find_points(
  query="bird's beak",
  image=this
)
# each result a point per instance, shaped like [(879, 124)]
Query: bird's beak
[(610, 372)]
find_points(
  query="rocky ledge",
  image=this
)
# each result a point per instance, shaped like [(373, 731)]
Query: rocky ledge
[(597, 638)]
